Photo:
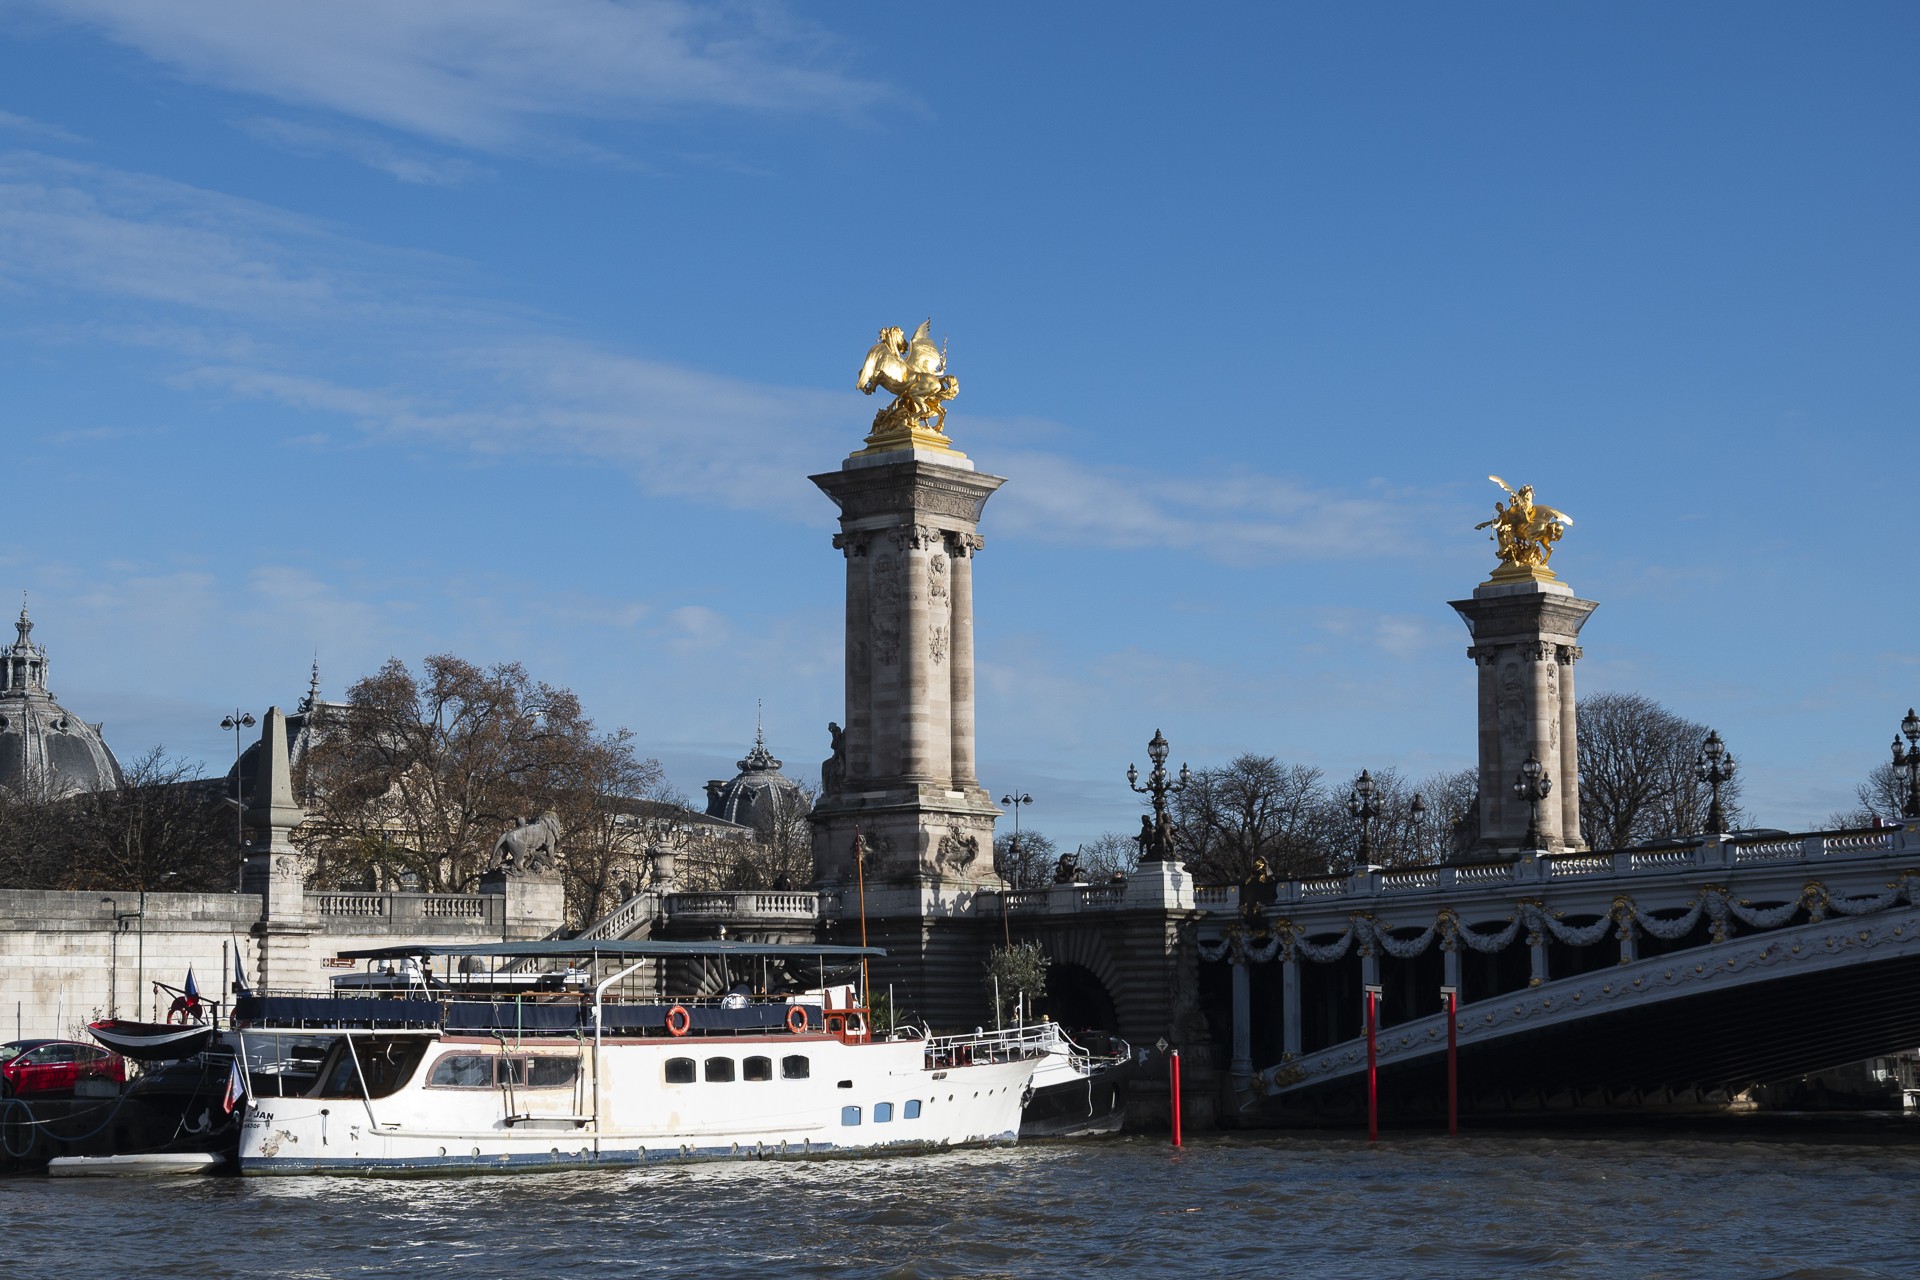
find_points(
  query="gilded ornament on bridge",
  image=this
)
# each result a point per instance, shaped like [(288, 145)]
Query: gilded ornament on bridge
[(915, 371), (1524, 532)]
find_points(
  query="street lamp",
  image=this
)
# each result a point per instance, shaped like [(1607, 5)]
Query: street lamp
[(1360, 805), (1017, 800), (238, 721), (1715, 768), (1533, 786), (1160, 785), (1908, 762)]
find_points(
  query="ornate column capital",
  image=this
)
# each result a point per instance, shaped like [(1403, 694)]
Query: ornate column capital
[(852, 544)]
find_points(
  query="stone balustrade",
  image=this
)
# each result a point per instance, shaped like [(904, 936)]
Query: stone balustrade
[(1366, 889), (746, 905), (409, 914)]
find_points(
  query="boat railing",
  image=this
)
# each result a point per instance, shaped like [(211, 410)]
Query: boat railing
[(529, 1012), (1007, 1044)]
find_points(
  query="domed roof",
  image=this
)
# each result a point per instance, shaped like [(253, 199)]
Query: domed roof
[(759, 795), (41, 742)]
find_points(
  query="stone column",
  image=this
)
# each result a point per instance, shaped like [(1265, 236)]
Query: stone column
[(960, 549), (1521, 629), (857, 734), (1545, 671), (1290, 1037), (1566, 655), (1242, 1064), (912, 794)]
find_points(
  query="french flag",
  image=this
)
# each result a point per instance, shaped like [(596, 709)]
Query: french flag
[(236, 1087)]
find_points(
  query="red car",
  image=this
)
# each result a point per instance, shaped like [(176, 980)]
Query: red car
[(55, 1066)]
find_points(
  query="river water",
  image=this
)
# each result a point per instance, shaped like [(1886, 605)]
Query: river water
[(1268, 1205)]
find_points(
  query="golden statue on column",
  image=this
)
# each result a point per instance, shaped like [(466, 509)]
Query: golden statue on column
[(915, 370), (1524, 532)]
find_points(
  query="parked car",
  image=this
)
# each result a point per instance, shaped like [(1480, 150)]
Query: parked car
[(55, 1066)]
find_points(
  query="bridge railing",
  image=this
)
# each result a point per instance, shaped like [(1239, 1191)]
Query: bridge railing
[(746, 904), (1704, 854)]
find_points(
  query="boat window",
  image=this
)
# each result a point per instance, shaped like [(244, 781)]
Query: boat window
[(462, 1071), (795, 1067), (386, 1062), (719, 1070), (679, 1070), (548, 1071), (882, 1112), (912, 1110), (757, 1069), (849, 1115)]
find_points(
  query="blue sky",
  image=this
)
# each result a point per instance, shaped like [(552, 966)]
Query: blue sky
[(513, 329)]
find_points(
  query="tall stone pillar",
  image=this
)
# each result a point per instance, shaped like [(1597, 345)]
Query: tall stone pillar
[(1525, 625), (273, 867), (909, 518)]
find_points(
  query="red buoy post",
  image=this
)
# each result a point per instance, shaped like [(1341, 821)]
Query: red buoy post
[(1451, 997), (1373, 1068), (1173, 1075)]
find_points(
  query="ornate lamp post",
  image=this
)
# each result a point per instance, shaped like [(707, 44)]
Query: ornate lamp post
[(1360, 805), (1017, 801), (1159, 786), (1908, 762), (1715, 768), (1533, 786), (237, 722)]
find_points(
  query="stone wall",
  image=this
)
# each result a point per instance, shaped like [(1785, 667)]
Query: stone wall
[(67, 958)]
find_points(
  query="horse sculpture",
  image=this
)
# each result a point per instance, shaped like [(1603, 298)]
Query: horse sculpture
[(1524, 531), (916, 372)]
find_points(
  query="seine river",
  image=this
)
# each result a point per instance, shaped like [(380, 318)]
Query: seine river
[(1267, 1206)]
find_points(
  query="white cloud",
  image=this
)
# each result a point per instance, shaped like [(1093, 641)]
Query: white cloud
[(396, 162), (32, 128), (263, 305), (489, 74)]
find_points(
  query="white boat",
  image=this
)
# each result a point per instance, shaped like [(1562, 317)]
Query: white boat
[(1075, 1093), (424, 1078)]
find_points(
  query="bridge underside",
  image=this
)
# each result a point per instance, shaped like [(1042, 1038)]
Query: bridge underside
[(1687, 1053)]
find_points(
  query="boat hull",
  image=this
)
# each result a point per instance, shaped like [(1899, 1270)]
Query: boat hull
[(620, 1110), (152, 1041)]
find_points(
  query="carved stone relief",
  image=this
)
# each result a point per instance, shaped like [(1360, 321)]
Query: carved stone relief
[(1510, 698), (956, 851), (886, 609), (937, 577), (937, 643)]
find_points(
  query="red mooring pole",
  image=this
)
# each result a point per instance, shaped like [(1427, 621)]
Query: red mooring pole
[(1373, 1070), (1453, 1061), (1174, 1076)]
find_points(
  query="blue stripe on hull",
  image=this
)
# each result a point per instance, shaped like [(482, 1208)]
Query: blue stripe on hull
[(548, 1161)]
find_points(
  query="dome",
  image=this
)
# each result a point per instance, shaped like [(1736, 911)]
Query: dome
[(759, 796), (40, 740)]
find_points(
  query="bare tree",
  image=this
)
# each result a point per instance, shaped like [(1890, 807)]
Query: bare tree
[(1027, 864), (158, 827), (1881, 798), (415, 780), (1637, 773), (1109, 854), (1255, 807)]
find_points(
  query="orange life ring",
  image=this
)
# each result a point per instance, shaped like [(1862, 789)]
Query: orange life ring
[(679, 1021), (796, 1019)]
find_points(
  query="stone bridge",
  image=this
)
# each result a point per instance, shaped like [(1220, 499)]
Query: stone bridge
[(1669, 976)]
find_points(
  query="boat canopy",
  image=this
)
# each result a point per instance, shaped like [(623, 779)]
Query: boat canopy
[(561, 948)]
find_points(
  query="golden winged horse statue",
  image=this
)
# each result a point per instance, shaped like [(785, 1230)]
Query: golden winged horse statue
[(916, 372), (1524, 531)]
